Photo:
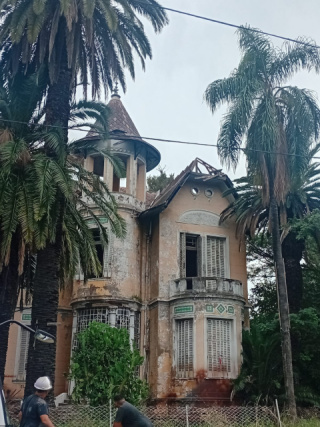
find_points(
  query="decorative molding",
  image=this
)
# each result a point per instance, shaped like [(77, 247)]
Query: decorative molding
[(200, 218)]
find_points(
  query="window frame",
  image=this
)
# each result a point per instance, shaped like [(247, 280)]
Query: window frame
[(191, 374), (202, 253), (233, 347)]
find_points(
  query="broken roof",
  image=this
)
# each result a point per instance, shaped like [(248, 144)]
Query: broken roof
[(198, 167)]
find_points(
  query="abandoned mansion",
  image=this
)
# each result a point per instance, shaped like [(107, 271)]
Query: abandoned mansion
[(177, 281)]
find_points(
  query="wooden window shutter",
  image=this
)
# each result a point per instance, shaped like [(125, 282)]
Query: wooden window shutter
[(219, 346), (182, 255), (108, 256), (201, 258), (215, 260), (184, 334), (24, 345)]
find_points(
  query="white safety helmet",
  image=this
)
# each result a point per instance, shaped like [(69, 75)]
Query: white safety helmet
[(43, 383)]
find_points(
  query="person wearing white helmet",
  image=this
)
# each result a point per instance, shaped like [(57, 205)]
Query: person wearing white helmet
[(34, 410)]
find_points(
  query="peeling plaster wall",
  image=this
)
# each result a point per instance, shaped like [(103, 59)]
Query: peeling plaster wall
[(152, 350), (125, 272), (170, 229), (64, 330), (64, 334), (154, 260), (165, 266), (10, 384)]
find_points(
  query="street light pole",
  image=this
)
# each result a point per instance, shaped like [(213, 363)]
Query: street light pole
[(39, 334)]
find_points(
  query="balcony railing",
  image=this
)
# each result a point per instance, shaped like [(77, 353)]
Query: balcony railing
[(124, 200), (212, 285)]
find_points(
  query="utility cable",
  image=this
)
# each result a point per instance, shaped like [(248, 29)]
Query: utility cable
[(228, 24), (149, 138)]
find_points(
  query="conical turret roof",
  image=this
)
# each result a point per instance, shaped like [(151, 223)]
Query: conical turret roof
[(123, 130), (120, 121)]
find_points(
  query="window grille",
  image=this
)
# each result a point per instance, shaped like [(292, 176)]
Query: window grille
[(184, 337), (23, 354), (123, 318), (219, 345), (101, 314), (216, 248), (87, 315)]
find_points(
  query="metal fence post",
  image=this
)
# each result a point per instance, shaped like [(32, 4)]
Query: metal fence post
[(278, 413), (110, 413), (187, 415)]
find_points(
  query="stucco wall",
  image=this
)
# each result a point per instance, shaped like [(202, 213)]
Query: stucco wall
[(124, 282), (170, 229), (165, 267)]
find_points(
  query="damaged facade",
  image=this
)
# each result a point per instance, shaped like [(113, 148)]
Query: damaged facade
[(177, 282)]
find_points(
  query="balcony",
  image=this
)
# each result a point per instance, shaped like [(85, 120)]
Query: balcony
[(126, 200), (206, 285), (123, 200)]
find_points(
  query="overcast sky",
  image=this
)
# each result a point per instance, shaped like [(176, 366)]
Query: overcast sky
[(166, 101)]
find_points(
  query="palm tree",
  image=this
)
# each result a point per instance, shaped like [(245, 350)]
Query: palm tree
[(74, 245), (16, 103), (78, 41), (253, 217), (29, 182), (270, 118)]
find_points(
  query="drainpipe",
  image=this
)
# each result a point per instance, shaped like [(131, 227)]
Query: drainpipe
[(147, 299)]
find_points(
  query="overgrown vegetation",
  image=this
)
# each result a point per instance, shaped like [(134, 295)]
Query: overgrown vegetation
[(261, 377), (159, 182), (104, 364)]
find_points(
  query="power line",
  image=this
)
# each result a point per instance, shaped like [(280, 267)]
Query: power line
[(149, 138), (228, 24)]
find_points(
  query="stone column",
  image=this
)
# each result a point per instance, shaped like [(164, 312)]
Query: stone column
[(112, 317), (131, 330)]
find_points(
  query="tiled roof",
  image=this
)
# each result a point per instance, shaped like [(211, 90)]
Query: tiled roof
[(120, 123)]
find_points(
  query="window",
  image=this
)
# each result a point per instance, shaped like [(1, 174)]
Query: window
[(116, 183), (190, 257), (98, 165), (219, 346), (216, 248), (99, 247), (119, 318), (123, 318), (202, 257), (23, 355), (184, 348), (88, 315), (104, 253)]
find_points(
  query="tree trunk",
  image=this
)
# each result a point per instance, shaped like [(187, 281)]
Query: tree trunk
[(9, 291), (42, 356), (292, 250), (283, 308), (45, 299)]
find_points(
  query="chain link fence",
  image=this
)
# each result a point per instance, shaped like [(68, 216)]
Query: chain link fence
[(167, 416)]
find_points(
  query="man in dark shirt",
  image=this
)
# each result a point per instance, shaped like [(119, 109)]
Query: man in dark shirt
[(128, 415), (34, 410)]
